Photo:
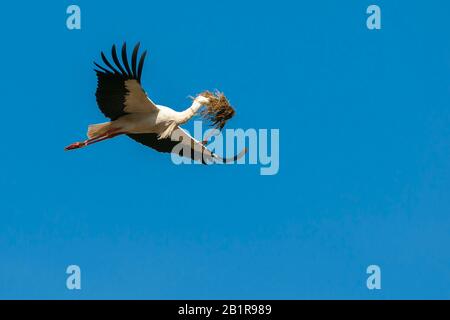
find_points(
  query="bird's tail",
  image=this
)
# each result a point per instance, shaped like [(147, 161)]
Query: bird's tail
[(96, 130)]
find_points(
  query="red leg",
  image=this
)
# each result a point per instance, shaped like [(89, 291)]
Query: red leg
[(75, 145), (108, 135)]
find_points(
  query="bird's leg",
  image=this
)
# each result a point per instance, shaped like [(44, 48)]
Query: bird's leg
[(101, 138), (108, 135), (75, 145)]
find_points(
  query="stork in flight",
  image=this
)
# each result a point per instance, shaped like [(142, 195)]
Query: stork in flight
[(121, 98)]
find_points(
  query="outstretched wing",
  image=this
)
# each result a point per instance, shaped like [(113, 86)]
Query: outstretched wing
[(119, 90), (184, 145)]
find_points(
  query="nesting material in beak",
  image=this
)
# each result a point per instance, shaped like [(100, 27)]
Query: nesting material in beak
[(218, 111)]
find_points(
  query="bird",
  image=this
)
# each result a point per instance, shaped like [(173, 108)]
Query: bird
[(122, 99)]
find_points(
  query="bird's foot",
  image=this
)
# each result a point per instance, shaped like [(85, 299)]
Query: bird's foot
[(76, 145)]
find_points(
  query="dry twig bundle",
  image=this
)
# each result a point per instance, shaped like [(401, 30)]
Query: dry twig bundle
[(218, 111)]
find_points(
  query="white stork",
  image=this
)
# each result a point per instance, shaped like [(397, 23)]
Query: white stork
[(121, 98)]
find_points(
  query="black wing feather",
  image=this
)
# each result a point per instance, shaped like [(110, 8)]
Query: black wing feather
[(110, 95), (141, 65), (108, 64), (116, 60), (125, 59), (134, 59), (103, 69), (111, 90), (165, 145)]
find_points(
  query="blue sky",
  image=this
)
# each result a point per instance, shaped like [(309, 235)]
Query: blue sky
[(364, 153)]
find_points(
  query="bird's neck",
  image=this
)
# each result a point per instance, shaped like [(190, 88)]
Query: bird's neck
[(186, 115)]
